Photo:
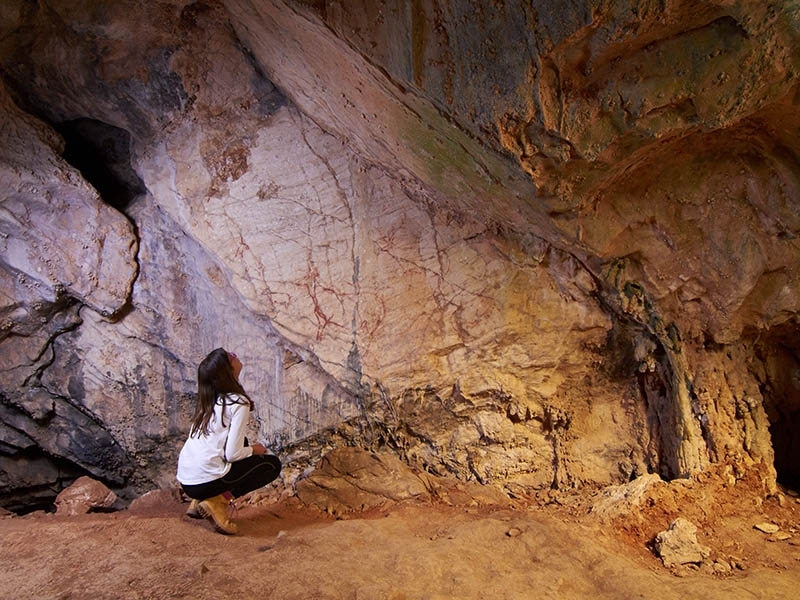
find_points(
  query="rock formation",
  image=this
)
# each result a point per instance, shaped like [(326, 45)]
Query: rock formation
[(533, 245)]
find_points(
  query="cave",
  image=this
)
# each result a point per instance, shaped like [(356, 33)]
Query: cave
[(487, 255), (450, 241)]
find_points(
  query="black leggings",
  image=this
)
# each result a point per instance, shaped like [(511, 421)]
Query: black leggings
[(244, 476)]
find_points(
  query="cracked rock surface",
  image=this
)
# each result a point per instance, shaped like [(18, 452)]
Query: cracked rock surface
[(530, 245)]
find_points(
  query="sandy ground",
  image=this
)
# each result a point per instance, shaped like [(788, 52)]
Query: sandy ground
[(289, 551)]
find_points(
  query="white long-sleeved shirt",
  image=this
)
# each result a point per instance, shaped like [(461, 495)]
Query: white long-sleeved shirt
[(205, 458)]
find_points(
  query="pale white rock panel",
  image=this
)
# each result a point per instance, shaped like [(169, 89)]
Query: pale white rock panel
[(54, 229)]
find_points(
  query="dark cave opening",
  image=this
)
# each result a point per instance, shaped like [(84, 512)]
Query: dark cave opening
[(101, 152), (41, 475), (778, 352)]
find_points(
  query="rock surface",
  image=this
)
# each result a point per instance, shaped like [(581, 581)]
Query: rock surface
[(531, 245), (413, 549), (83, 496), (349, 480), (678, 545)]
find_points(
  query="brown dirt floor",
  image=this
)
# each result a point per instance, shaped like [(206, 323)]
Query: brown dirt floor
[(550, 549)]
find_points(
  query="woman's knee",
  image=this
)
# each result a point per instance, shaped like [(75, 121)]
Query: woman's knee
[(273, 465)]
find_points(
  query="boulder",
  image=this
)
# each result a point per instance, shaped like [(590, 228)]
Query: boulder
[(351, 479), (84, 495), (678, 545), (618, 500), (166, 501)]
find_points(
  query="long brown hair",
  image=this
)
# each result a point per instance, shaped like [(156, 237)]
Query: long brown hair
[(214, 378)]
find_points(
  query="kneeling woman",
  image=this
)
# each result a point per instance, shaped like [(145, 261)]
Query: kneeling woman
[(216, 464)]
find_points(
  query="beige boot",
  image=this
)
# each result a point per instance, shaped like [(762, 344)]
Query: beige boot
[(216, 510), (193, 511)]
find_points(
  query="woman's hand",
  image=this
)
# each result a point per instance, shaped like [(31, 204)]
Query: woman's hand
[(259, 449)]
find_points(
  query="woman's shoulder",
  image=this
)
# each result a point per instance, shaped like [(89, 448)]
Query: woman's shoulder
[(232, 398)]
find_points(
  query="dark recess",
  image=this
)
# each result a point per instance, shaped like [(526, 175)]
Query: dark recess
[(101, 152), (780, 388)]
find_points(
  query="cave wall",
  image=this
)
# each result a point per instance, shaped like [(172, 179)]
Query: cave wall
[(535, 245)]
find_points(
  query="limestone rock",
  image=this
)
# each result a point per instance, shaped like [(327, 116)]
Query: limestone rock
[(58, 237), (84, 495), (767, 527), (158, 501), (351, 479), (678, 545), (560, 267), (618, 500)]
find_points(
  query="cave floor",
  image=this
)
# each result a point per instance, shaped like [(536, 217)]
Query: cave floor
[(288, 551)]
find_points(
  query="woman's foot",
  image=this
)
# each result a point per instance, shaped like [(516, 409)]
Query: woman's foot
[(216, 510), (193, 511)]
